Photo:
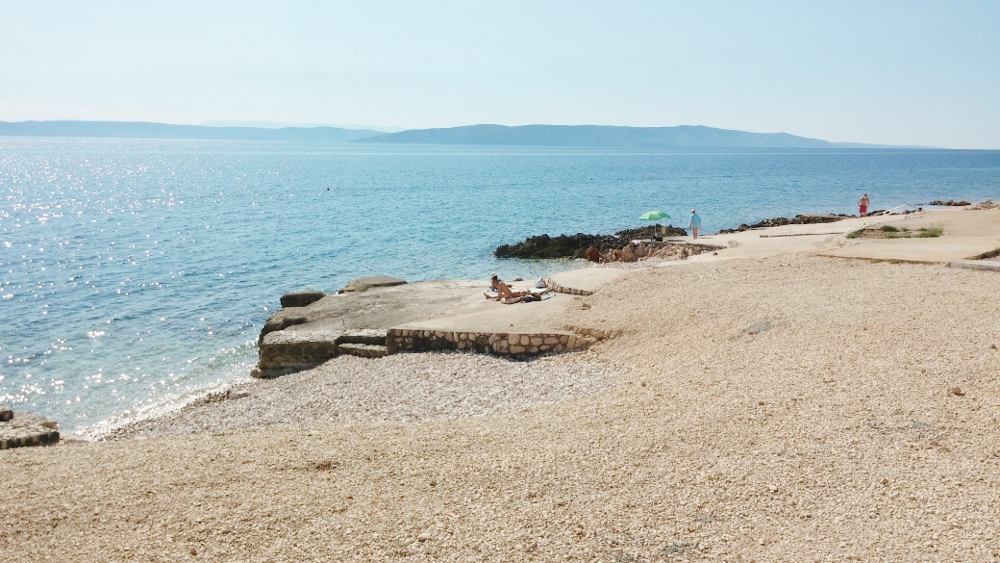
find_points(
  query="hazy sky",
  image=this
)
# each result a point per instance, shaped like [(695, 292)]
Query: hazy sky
[(897, 72)]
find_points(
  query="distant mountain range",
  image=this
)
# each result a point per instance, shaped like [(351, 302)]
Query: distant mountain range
[(139, 129), (682, 136)]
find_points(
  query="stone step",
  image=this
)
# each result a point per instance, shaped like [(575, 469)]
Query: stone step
[(363, 336), (27, 429), (364, 350)]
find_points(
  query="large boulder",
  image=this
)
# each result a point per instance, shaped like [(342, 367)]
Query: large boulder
[(628, 253), (368, 282), (301, 298)]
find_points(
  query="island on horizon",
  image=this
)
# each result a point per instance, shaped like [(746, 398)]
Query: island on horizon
[(610, 136)]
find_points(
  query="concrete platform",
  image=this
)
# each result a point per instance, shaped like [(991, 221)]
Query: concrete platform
[(431, 315)]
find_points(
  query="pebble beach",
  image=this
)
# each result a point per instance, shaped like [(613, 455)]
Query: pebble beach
[(783, 408)]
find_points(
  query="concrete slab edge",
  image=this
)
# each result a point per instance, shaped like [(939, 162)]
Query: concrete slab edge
[(981, 265), (890, 260)]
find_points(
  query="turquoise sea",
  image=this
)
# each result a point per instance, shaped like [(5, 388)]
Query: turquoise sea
[(136, 274)]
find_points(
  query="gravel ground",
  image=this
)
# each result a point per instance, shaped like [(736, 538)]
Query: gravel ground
[(401, 387), (785, 409)]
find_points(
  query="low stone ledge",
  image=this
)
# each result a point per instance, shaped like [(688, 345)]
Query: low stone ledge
[(364, 350), (362, 336), (501, 344), (983, 265), (26, 429), (284, 351), (361, 284), (280, 321), (556, 287)]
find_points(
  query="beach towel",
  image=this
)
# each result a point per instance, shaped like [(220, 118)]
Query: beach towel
[(526, 298), (492, 293)]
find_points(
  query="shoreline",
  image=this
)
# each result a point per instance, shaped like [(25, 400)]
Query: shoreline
[(211, 394), (769, 401)]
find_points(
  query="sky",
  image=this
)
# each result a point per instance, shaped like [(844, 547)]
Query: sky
[(889, 72)]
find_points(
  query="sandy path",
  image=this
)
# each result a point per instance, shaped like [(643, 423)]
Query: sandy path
[(781, 409)]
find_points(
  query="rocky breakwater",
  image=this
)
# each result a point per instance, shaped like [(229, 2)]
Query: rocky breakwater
[(643, 250), (576, 246), (19, 429), (802, 219)]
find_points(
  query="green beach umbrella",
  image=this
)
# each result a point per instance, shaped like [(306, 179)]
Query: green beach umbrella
[(653, 216)]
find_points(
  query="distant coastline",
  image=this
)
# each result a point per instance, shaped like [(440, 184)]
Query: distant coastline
[(150, 130), (610, 136)]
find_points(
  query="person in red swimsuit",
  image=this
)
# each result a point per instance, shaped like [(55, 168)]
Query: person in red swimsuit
[(863, 204)]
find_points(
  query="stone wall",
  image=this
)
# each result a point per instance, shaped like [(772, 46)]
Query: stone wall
[(501, 344), (554, 286)]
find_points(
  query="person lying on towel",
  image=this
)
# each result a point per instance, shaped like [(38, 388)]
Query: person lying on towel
[(508, 295)]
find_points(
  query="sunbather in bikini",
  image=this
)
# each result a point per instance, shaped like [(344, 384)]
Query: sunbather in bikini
[(508, 295)]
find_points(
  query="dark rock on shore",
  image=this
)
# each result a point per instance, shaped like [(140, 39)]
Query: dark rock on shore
[(802, 219), (950, 202), (575, 246)]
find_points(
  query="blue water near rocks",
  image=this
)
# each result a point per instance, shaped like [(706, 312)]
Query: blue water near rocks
[(135, 274)]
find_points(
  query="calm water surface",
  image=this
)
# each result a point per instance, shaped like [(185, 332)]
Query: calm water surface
[(136, 274)]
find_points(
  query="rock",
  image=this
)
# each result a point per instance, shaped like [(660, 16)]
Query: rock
[(628, 253), (368, 282), (301, 298), (6, 414), (593, 254), (950, 202), (957, 391), (759, 326)]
